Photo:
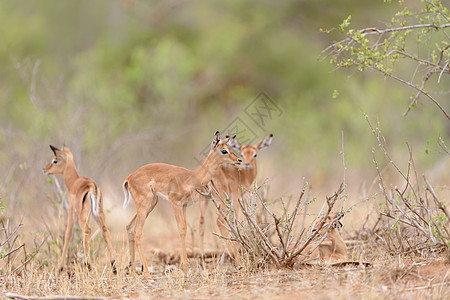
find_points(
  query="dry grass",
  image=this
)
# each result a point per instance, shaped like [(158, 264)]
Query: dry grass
[(416, 275), (406, 278)]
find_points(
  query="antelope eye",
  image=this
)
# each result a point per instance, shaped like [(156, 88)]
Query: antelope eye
[(224, 152), (254, 155), (54, 162)]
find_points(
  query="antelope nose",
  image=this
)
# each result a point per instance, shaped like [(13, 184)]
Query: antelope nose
[(240, 160)]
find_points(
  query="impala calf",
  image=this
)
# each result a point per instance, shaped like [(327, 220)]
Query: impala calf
[(232, 182), (81, 191), (335, 248), (152, 182)]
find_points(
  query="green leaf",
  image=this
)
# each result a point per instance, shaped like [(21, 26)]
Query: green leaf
[(345, 23), (335, 94)]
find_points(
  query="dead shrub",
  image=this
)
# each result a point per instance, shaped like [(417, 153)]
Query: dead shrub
[(275, 239)]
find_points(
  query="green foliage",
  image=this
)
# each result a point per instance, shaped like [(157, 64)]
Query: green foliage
[(335, 94), (414, 38)]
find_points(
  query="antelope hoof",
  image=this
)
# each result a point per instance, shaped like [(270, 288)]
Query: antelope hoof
[(88, 266), (127, 268), (113, 265)]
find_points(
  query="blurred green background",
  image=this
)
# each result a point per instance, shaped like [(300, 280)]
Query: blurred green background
[(125, 83)]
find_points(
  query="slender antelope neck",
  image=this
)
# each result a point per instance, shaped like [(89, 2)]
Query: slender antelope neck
[(252, 171), (208, 168), (70, 174), (338, 244)]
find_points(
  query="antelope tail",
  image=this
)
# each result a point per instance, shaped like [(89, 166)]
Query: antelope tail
[(95, 201), (127, 194)]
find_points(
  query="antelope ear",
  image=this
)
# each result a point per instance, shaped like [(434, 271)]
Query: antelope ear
[(215, 140), (265, 142), (54, 149), (233, 143), (337, 225)]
